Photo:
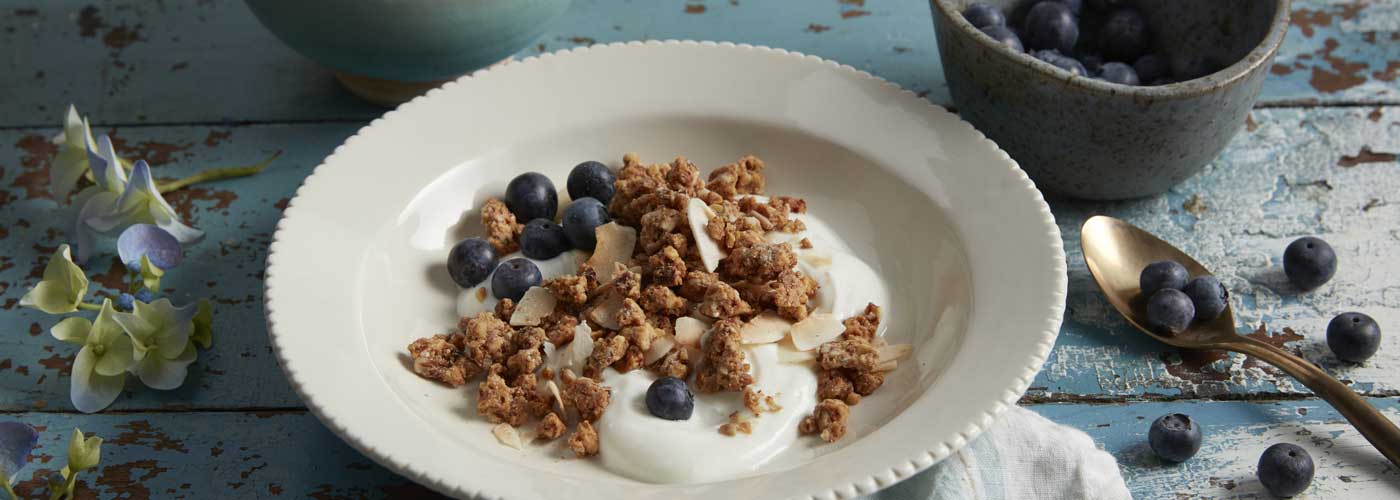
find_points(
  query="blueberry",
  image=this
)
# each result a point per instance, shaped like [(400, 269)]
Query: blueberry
[(470, 261), (1151, 67), (1169, 311), (580, 219), (1123, 36), (1092, 63), (1004, 35), (1050, 25), (1053, 57), (981, 15), (1309, 262), (1175, 437), (532, 196), (1353, 336), (1105, 4), (1161, 274), (1119, 73), (543, 239), (591, 179), (1075, 6), (1285, 469), (514, 277), (125, 301), (670, 398), (1208, 295)]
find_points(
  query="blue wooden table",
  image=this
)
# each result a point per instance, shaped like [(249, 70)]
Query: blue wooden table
[(188, 85)]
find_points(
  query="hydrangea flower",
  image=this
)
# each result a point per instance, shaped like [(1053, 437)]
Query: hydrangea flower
[(147, 240), (63, 287), (99, 371), (101, 198), (17, 440), (141, 203), (161, 335), (203, 324), (73, 151)]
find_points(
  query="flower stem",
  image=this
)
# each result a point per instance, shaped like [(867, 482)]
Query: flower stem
[(89, 307), (5, 482), (220, 173)]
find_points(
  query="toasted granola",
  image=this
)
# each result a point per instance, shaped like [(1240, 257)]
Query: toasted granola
[(833, 384), (776, 213), (584, 441), (606, 351), (675, 364), (865, 325), (550, 427), (866, 382), (758, 262), (666, 268), (570, 289), (441, 358), (498, 402), (736, 425), (742, 177), (855, 354), (725, 367), (828, 421), (662, 301), (759, 403), (731, 228), (504, 309), (588, 397), (502, 231), (661, 228), (559, 327)]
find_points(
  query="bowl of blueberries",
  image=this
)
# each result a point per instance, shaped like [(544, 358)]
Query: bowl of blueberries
[(1108, 99)]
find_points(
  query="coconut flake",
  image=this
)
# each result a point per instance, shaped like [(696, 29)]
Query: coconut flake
[(659, 347), (581, 347), (689, 330), (816, 259), (553, 389), (788, 353), (615, 245), (886, 366), (816, 330), (507, 435), (537, 304), (895, 352), (699, 216), (766, 328), (605, 313)]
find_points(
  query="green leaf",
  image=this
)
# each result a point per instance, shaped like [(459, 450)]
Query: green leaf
[(83, 453), (150, 274), (63, 287), (204, 324)]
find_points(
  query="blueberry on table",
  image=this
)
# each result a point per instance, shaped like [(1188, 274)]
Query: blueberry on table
[(470, 261), (1123, 36), (1050, 25), (1208, 295), (543, 239), (1309, 262), (580, 219), (514, 277), (981, 14), (1151, 67), (1175, 437), (1053, 57), (1119, 73), (1161, 274), (1169, 311), (1105, 4), (670, 398), (1353, 337), (1075, 6), (532, 196), (1285, 469), (1200, 67), (1004, 35), (591, 179), (1092, 63)]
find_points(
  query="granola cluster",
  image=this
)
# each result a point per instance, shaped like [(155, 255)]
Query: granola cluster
[(622, 308)]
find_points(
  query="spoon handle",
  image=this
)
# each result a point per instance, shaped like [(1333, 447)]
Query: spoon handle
[(1380, 431)]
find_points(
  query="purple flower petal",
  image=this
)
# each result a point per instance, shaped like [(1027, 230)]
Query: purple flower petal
[(16, 441), (151, 241)]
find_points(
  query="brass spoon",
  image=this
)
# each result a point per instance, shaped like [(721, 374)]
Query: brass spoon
[(1116, 252)]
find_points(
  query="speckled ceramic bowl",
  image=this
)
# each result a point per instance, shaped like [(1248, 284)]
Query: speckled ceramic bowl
[(389, 51), (1087, 138)]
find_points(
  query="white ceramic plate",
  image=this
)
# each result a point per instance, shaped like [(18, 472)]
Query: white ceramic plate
[(967, 244)]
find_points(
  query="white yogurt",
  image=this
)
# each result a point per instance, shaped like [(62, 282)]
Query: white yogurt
[(473, 301)]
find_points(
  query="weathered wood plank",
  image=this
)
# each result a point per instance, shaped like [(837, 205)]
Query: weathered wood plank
[(128, 61), (238, 216), (1278, 181), (1326, 172), (290, 454)]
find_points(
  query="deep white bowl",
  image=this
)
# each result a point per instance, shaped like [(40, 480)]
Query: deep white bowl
[(967, 244)]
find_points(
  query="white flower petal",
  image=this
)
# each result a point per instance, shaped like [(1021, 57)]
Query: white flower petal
[(73, 330), (185, 234), (106, 167), (91, 392), (163, 374)]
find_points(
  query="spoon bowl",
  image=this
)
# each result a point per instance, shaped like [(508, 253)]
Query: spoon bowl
[(1116, 252)]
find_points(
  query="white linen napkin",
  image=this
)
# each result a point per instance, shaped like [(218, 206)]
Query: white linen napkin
[(1023, 456)]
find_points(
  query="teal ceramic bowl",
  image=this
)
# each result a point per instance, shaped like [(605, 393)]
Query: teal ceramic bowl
[(388, 51)]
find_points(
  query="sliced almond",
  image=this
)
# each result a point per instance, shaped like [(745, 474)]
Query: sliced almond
[(699, 214), (507, 435), (537, 304), (689, 330), (606, 311), (895, 352), (615, 245), (766, 328), (659, 347), (816, 330)]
